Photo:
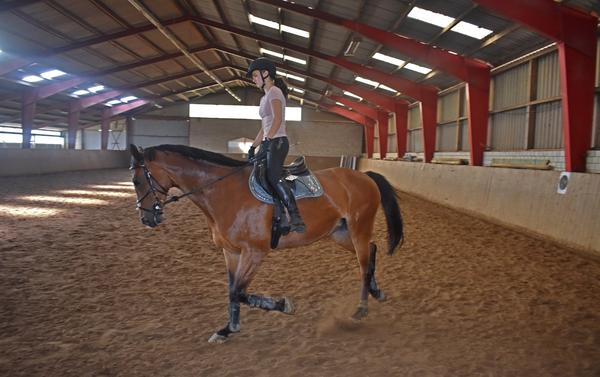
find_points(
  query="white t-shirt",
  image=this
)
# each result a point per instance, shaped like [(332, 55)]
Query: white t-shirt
[(266, 111)]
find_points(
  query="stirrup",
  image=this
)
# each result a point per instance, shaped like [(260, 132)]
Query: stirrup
[(297, 225)]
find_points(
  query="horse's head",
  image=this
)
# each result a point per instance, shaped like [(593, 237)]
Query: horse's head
[(151, 186)]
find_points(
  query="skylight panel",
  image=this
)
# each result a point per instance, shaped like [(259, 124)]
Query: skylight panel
[(471, 30), (128, 99), (96, 88), (350, 94), (381, 86), (417, 68), (388, 59), (274, 25), (272, 53), (301, 91), (282, 56), (366, 81), (264, 22), (290, 76), (293, 59), (32, 78), (49, 75), (112, 102), (430, 17), (295, 31), (80, 92)]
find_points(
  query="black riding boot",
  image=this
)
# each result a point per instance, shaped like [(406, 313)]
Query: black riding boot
[(285, 194)]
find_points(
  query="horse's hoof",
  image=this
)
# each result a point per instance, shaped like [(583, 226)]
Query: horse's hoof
[(289, 307), (381, 297), (360, 313), (217, 339)]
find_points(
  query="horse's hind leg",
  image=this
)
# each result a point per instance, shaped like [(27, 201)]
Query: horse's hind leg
[(369, 285), (370, 278)]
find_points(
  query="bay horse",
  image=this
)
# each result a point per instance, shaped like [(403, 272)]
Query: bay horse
[(241, 225)]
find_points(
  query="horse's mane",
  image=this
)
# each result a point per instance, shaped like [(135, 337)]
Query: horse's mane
[(192, 153)]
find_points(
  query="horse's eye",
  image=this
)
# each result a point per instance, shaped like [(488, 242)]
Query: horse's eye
[(136, 182)]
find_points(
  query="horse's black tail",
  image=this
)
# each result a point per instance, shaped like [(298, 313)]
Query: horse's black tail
[(389, 202)]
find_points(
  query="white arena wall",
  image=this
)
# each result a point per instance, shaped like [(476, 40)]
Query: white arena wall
[(42, 161), (524, 199)]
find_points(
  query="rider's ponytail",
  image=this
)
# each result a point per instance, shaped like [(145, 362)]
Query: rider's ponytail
[(281, 85)]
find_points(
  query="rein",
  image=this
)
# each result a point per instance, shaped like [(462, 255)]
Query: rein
[(175, 198)]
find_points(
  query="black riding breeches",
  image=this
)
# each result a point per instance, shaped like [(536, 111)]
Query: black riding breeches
[(276, 155)]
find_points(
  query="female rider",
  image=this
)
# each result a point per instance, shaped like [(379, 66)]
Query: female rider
[(272, 136)]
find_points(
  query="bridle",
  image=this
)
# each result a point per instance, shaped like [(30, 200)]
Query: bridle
[(155, 187)]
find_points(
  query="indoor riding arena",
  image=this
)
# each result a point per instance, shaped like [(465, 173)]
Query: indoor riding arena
[(453, 156)]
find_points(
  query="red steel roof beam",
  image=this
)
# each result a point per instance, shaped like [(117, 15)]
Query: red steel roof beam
[(575, 33), (475, 72)]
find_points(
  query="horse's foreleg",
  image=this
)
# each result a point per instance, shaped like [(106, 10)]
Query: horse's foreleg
[(240, 270)]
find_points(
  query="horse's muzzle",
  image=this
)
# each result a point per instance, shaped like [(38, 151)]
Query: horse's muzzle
[(152, 222)]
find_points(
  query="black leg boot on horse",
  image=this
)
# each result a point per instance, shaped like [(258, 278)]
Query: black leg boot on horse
[(277, 150)]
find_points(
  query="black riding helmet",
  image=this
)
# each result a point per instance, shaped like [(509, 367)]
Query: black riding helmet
[(262, 64)]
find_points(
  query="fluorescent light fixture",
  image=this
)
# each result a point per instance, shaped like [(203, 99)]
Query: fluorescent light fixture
[(381, 86), (96, 88), (112, 102), (295, 60), (32, 78), (417, 68), (272, 53), (301, 91), (80, 92), (388, 59), (128, 99), (274, 25), (237, 112), (350, 94), (295, 31), (366, 81), (430, 17), (49, 75), (262, 21), (471, 30), (340, 104)]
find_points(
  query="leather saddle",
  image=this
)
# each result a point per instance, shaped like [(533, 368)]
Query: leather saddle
[(302, 182)]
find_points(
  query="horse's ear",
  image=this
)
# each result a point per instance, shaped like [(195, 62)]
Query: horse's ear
[(137, 154)]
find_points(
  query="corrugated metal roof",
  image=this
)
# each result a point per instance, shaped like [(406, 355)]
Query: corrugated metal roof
[(33, 31)]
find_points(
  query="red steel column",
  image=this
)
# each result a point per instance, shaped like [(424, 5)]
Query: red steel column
[(383, 125), (478, 96), (28, 101), (104, 128), (401, 110), (428, 109), (74, 113), (369, 140), (577, 92)]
